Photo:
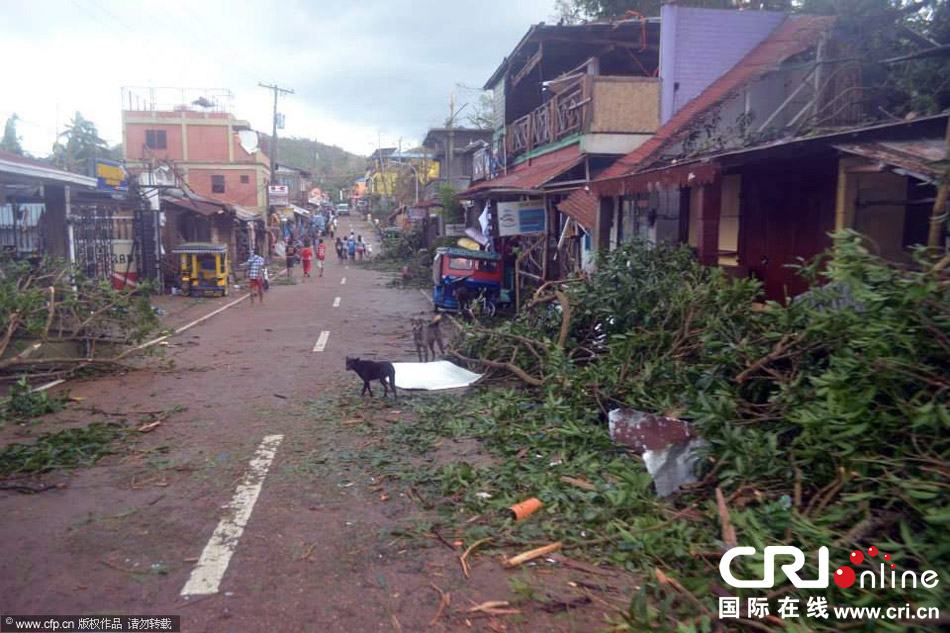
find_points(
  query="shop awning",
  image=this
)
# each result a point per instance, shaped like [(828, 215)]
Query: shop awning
[(300, 211), (528, 177), (203, 207), (246, 215)]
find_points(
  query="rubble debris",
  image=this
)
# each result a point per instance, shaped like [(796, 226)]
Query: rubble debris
[(526, 508), (463, 559), (667, 445), (433, 376), (530, 555)]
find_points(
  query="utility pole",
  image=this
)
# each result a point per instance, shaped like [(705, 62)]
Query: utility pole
[(273, 156), (273, 150)]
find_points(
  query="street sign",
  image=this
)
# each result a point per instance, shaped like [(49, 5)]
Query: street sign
[(278, 195), (520, 218), (417, 214), (110, 176)]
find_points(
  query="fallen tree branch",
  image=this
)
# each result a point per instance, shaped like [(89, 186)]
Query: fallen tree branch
[(463, 559), (530, 555), (445, 599), (511, 367)]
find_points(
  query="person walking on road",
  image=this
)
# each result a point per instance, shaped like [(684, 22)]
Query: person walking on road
[(321, 255), (351, 246), (360, 247), (255, 277), (340, 250), (306, 258), (291, 253)]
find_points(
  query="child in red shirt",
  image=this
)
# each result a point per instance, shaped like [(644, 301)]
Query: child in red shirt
[(321, 255), (306, 256)]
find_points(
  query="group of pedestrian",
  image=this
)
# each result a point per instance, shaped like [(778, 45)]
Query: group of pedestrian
[(306, 254), (311, 248), (352, 248)]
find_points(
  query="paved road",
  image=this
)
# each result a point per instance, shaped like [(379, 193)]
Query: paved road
[(131, 534), (259, 508)]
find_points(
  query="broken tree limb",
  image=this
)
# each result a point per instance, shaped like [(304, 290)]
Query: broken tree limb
[(780, 348), (511, 367), (728, 532), (565, 317), (578, 483), (530, 555), (445, 599), (463, 559)]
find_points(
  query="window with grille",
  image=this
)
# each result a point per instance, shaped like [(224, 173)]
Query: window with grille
[(217, 184)]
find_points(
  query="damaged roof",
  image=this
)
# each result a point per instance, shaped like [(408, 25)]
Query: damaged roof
[(797, 33), (919, 157), (617, 32), (528, 176)]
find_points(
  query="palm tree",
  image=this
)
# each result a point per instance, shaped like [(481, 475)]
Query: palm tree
[(82, 143)]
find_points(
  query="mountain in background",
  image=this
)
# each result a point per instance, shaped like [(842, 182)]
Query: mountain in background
[(332, 167)]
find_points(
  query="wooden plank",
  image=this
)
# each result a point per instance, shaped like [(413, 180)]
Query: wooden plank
[(533, 61)]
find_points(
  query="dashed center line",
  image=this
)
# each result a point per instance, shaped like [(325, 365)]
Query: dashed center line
[(336, 302), (343, 281), (321, 343), (207, 574)]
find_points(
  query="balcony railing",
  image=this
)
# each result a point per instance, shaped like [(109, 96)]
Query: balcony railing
[(565, 114)]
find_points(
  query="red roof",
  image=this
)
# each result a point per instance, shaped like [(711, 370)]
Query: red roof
[(582, 206), (794, 35), (529, 175)]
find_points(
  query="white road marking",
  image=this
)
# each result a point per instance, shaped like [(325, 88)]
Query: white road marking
[(207, 574), (321, 343), (426, 295), (343, 281), (336, 302)]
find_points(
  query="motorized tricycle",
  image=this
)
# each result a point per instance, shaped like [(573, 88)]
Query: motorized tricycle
[(463, 278), (204, 269)]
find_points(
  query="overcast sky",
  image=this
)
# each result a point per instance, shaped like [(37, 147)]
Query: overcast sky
[(358, 68)]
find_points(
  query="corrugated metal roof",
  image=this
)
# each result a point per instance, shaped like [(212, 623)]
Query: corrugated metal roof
[(528, 176), (19, 166), (205, 207), (246, 215), (917, 155), (796, 34), (582, 206), (200, 247)]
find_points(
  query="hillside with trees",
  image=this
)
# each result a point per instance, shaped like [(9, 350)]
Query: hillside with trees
[(332, 167)]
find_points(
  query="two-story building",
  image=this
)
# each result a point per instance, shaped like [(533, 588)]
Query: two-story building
[(214, 157), (571, 99)]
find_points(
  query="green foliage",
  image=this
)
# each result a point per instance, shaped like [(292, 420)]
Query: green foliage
[(71, 448), (826, 420), (451, 208), (40, 302), (333, 168), (11, 141), (79, 144), (24, 403)]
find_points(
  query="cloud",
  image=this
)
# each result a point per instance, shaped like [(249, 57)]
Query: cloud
[(358, 69)]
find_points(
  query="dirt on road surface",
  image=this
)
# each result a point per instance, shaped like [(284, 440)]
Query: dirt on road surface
[(253, 489)]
